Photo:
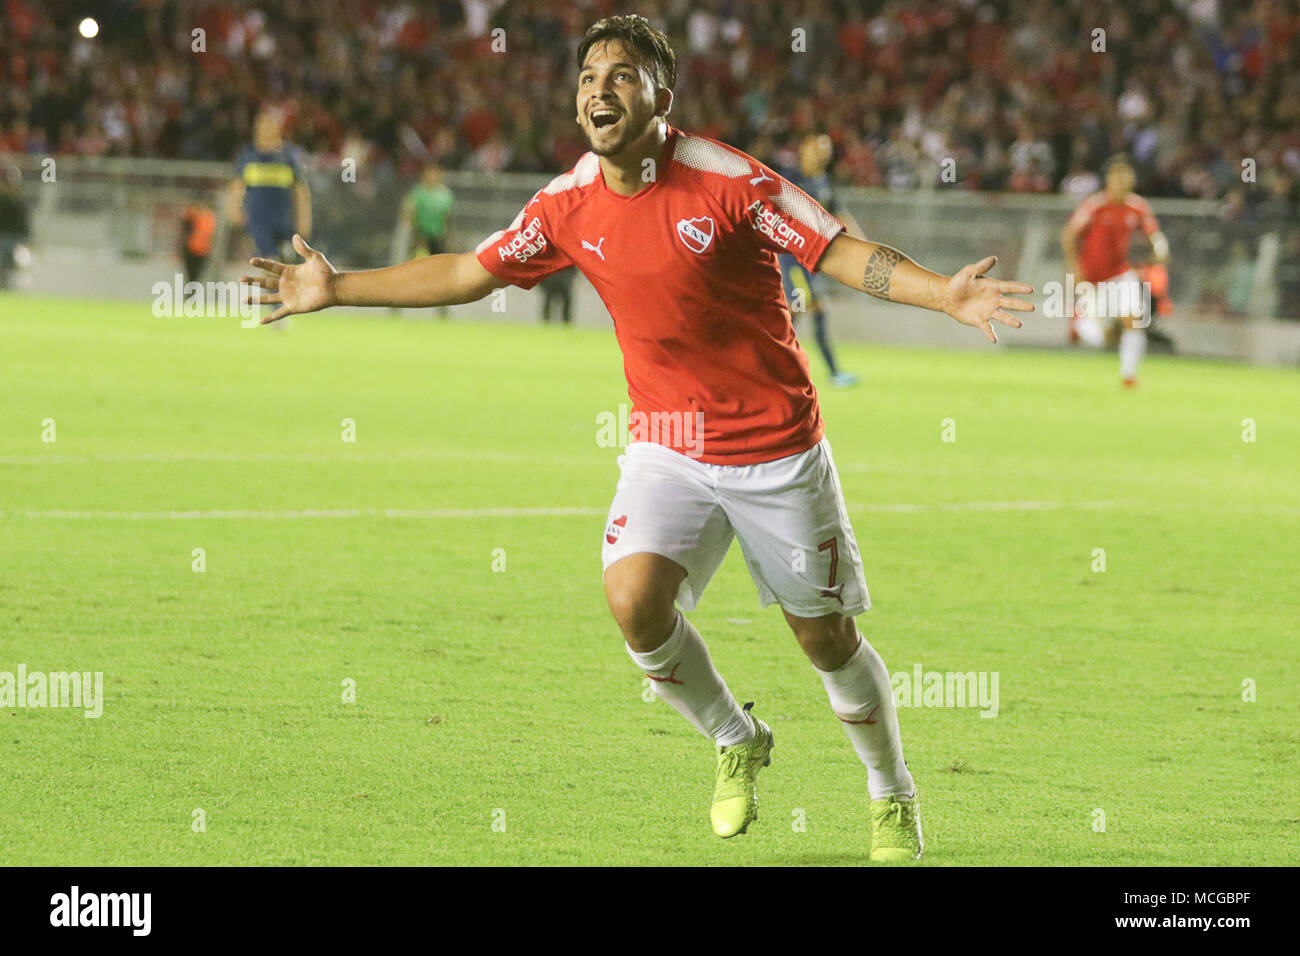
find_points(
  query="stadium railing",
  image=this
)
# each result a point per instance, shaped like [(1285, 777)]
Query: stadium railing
[(127, 211)]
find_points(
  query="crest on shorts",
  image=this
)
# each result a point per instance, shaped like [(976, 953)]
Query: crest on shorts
[(615, 528), (697, 233)]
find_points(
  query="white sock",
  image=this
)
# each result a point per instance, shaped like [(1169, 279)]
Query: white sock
[(1132, 346), (1090, 331), (863, 700), (683, 674)]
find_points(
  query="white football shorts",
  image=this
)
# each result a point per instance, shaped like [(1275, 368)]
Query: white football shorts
[(789, 515), (1119, 297)]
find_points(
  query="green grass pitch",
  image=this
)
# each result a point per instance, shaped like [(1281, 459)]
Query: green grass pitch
[(498, 719)]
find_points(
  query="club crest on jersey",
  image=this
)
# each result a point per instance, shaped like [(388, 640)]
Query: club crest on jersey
[(615, 528), (697, 234)]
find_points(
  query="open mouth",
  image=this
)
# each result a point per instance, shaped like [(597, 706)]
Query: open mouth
[(605, 118)]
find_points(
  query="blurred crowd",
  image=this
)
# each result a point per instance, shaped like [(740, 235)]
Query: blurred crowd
[(1016, 95)]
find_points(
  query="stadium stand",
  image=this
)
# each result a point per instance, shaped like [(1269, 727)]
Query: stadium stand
[(1011, 89)]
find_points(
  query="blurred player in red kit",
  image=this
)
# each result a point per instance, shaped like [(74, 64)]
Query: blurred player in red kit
[(1096, 245)]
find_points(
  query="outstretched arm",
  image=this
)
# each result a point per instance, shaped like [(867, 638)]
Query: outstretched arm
[(969, 296), (314, 284)]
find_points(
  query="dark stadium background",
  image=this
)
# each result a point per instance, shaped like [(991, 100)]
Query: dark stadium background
[(1009, 88), (1012, 94)]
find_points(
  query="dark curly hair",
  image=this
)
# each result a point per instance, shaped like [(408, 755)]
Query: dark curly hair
[(649, 46)]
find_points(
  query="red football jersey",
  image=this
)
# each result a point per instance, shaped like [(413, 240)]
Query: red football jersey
[(1105, 227), (687, 268)]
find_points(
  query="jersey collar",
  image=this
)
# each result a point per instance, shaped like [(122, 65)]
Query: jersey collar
[(665, 163)]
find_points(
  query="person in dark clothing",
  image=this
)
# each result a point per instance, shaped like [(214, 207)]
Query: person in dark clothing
[(805, 290), (14, 225), (198, 226), (557, 292), (269, 194)]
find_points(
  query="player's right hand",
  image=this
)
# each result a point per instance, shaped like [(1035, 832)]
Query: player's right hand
[(308, 287)]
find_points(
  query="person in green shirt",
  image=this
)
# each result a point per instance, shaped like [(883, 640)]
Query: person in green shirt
[(427, 208)]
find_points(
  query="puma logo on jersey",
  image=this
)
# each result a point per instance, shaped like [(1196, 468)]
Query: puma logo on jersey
[(596, 248), (762, 177)]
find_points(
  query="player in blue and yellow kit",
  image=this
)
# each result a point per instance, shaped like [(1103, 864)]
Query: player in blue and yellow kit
[(269, 195), (805, 290)]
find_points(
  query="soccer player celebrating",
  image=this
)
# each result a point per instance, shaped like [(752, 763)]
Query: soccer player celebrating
[(679, 234), (1105, 221)]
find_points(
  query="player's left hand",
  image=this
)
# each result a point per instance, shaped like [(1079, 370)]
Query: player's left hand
[(974, 299), (307, 287)]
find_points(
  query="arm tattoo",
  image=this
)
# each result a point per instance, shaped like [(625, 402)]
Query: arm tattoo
[(880, 269)]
